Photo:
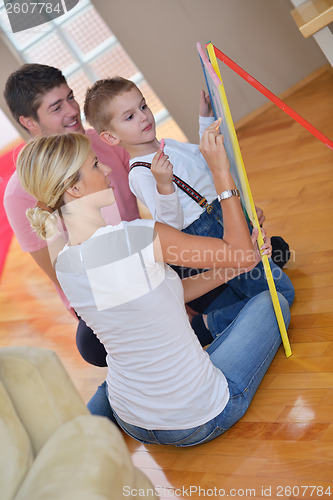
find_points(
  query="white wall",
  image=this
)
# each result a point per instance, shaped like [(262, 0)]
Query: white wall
[(8, 126), (260, 35), (9, 133)]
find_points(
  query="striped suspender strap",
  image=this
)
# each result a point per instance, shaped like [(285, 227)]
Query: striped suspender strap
[(192, 193)]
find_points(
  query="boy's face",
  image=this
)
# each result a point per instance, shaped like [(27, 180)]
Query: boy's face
[(132, 121), (58, 113)]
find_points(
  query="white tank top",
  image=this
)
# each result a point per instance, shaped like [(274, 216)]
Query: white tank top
[(159, 377)]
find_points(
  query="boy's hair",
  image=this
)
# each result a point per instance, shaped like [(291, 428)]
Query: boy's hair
[(25, 88), (98, 97)]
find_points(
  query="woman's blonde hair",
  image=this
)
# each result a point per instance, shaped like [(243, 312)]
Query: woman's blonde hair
[(47, 167)]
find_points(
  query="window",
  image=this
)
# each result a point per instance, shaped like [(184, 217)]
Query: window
[(84, 48)]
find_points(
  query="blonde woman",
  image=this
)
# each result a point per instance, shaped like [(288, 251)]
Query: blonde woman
[(162, 386)]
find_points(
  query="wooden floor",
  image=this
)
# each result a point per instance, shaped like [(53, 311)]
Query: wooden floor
[(283, 447)]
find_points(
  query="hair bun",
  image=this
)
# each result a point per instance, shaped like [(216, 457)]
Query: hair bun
[(43, 222)]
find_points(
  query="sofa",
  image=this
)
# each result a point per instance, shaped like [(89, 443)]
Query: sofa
[(51, 447)]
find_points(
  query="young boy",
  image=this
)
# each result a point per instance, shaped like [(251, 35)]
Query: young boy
[(117, 110), (180, 193)]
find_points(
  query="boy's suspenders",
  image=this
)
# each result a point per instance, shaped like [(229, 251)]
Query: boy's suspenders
[(192, 193)]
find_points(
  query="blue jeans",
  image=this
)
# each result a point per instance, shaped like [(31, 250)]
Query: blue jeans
[(99, 403), (209, 224), (243, 352), (222, 311)]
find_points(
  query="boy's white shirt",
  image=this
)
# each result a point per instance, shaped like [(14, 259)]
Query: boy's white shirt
[(177, 209)]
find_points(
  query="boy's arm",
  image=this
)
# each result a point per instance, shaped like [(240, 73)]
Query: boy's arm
[(206, 116), (164, 208), (204, 122), (162, 171)]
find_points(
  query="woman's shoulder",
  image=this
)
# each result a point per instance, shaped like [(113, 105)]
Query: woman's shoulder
[(128, 237), (132, 225)]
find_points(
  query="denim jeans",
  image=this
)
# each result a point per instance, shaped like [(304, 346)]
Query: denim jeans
[(99, 404), (243, 352), (222, 311), (209, 223), (225, 307)]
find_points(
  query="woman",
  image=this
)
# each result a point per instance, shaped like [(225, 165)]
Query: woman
[(163, 387)]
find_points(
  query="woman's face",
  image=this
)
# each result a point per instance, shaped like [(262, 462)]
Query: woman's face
[(94, 180)]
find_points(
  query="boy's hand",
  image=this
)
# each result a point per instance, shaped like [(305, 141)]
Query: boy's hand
[(212, 148), (205, 107), (162, 170)]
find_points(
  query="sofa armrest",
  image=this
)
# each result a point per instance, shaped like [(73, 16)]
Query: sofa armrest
[(85, 459), (41, 390), (16, 454)]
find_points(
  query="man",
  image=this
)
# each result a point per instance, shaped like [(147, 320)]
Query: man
[(41, 101)]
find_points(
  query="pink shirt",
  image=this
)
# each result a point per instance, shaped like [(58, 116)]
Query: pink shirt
[(17, 200), (118, 159)]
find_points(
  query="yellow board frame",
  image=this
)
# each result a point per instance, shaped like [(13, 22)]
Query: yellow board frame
[(248, 200)]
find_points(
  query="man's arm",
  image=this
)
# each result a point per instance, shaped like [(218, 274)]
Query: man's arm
[(45, 258), (42, 259), (16, 202)]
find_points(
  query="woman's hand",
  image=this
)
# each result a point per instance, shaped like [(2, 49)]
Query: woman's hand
[(266, 248), (212, 148), (260, 215)]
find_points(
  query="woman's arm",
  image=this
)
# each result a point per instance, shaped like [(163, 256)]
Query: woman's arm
[(236, 233), (236, 248), (175, 247), (199, 284)]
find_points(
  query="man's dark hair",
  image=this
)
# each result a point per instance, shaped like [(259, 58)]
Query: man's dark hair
[(25, 88)]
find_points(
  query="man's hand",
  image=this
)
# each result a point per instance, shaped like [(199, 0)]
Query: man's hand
[(205, 107), (162, 170)]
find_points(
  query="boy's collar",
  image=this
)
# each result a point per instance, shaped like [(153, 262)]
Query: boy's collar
[(141, 150)]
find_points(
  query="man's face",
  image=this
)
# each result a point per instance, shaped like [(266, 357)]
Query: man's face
[(58, 113)]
